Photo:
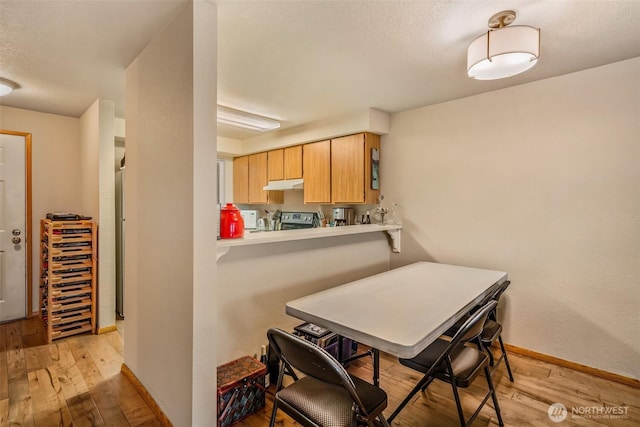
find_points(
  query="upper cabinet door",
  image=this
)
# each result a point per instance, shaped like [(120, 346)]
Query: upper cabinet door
[(275, 164), (241, 179), (347, 169), (316, 160), (353, 168), (258, 178), (293, 162)]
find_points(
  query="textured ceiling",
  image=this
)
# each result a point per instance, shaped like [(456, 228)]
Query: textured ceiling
[(300, 61), (66, 54)]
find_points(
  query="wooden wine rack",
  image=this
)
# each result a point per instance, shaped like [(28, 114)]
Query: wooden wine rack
[(68, 277)]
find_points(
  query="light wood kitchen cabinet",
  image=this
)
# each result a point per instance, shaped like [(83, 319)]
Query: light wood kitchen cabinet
[(351, 169), (285, 163), (241, 179), (316, 160), (258, 178), (339, 170), (293, 162), (275, 164)]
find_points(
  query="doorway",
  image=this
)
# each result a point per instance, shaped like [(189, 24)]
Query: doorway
[(16, 286), (119, 157)]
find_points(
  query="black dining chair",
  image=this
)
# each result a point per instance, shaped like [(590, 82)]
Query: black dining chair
[(492, 331), (457, 363), (326, 395)]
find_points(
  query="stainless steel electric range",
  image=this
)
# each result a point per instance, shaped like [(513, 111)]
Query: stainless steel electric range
[(297, 220)]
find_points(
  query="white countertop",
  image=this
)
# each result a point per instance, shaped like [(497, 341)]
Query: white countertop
[(308, 233), (400, 311)]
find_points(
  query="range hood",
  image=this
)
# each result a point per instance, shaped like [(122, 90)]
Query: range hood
[(284, 184)]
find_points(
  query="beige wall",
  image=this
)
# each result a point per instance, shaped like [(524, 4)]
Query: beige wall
[(98, 191), (89, 161), (543, 181), (55, 169), (255, 282), (205, 85), (170, 198)]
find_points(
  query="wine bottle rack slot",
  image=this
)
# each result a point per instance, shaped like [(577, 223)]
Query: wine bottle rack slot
[(68, 277)]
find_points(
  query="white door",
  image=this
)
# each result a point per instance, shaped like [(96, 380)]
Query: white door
[(13, 277)]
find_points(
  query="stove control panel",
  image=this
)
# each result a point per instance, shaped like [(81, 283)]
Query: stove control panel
[(297, 218)]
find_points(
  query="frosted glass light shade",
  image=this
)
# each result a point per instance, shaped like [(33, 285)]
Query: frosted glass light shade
[(7, 86), (503, 52)]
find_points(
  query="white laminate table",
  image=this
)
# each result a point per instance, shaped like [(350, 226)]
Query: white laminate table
[(400, 311)]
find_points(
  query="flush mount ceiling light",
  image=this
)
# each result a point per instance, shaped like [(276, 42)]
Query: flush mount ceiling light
[(242, 119), (503, 51), (7, 86)]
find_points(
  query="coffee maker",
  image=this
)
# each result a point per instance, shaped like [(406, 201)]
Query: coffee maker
[(343, 216)]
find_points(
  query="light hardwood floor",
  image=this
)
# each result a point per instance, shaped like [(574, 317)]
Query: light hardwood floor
[(523, 403), (77, 381)]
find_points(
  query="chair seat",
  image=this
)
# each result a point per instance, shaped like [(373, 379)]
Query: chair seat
[(466, 362), (312, 398), (491, 331)]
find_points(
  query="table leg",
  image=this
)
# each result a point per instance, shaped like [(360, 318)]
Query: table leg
[(376, 367)]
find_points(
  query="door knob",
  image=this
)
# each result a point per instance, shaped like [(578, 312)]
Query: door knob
[(16, 240), (16, 231)]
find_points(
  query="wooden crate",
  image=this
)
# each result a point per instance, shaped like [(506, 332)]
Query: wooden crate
[(68, 264)]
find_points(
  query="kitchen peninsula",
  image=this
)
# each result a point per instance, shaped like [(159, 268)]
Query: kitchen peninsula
[(262, 271)]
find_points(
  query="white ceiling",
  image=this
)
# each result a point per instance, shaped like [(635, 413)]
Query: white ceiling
[(300, 61)]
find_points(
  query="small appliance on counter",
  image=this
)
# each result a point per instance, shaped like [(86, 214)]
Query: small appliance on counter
[(344, 216), (250, 218), (231, 222)]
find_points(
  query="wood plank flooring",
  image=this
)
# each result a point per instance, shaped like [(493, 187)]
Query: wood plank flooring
[(76, 381), (524, 402)]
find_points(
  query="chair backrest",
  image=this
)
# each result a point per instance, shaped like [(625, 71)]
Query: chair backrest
[(500, 290), (495, 296), (311, 360), (472, 328)]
